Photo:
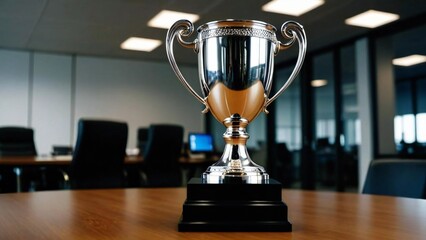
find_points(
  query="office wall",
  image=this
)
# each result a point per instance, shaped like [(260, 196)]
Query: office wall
[(51, 100), (50, 92), (139, 93), (14, 88)]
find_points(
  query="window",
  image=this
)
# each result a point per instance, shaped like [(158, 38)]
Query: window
[(421, 127), (288, 111)]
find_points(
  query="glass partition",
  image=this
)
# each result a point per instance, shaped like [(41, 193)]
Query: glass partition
[(288, 130), (410, 88), (351, 127), (324, 111)]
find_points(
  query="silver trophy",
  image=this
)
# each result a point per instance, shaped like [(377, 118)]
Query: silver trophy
[(235, 64)]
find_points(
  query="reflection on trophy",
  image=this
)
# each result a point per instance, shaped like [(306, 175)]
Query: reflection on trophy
[(236, 62)]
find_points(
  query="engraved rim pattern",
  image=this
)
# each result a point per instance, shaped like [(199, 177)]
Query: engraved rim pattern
[(247, 32)]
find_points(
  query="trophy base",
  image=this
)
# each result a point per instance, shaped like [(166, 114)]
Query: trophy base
[(231, 207)]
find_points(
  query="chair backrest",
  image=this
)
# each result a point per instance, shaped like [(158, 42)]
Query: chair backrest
[(17, 141), (397, 177), (161, 156), (142, 138), (322, 142), (283, 154), (61, 150), (98, 159), (164, 146)]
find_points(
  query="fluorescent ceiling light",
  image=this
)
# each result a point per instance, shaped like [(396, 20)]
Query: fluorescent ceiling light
[(409, 60), (318, 82), (292, 7), (372, 19), (140, 44), (166, 18)]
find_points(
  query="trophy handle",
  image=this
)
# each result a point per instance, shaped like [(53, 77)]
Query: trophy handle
[(179, 29), (291, 30)]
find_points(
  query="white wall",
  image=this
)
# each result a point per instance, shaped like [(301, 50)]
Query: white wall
[(14, 88), (51, 100), (139, 93), (50, 92)]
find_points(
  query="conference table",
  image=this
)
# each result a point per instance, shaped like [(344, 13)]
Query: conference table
[(65, 160), (153, 213), (23, 161), (20, 162)]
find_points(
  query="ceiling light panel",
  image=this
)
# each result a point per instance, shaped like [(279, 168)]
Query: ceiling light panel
[(292, 7), (409, 60), (372, 19), (140, 44), (166, 18)]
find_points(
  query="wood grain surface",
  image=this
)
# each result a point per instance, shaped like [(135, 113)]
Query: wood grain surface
[(153, 213)]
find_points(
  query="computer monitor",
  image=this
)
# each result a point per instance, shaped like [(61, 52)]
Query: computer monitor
[(200, 143)]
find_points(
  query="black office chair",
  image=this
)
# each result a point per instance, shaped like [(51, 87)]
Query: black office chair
[(160, 167), (326, 160), (397, 177), (98, 159), (19, 141), (16, 141), (284, 167), (142, 138)]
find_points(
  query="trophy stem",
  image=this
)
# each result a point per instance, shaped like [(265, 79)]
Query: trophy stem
[(235, 165)]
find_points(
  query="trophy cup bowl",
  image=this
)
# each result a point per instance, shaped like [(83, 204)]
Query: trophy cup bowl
[(235, 64)]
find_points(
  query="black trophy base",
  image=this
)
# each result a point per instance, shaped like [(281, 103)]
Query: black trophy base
[(231, 207)]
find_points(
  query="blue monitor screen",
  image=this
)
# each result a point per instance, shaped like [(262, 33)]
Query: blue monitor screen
[(200, 143)]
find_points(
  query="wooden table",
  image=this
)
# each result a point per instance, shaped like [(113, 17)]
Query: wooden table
[(154, 213), (66, 160), (22, 161)]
